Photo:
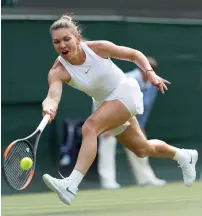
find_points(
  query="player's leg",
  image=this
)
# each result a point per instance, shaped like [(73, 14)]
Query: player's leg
[(142, 170), (134, 139), (109, 115)]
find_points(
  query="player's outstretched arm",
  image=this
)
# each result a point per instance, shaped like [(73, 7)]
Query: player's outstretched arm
[(51, 102)]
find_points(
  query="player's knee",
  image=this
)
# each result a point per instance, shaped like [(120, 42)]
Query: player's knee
[(89, 127), (142, 152)]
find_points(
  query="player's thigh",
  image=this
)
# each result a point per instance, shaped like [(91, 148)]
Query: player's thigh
[(109, 115), (134, 139)]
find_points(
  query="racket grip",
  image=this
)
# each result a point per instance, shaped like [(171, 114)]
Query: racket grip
[(43, 123)]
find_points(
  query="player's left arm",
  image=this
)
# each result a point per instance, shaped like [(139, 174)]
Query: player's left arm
[(107, 49)]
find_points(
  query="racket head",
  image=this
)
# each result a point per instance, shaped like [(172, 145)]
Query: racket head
[(16, 177)]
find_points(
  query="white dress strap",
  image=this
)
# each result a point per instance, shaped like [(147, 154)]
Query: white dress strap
[(66, 66), (89, 51)]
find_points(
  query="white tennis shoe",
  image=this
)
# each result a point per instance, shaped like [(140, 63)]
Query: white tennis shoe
[(188, 166), (62, 187)]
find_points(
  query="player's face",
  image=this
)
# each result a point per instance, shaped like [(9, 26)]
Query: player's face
[(65, 42)]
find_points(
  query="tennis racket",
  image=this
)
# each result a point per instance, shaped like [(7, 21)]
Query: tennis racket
[(26, 147)]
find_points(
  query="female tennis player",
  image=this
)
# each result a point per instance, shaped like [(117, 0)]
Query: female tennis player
[(87, 66)]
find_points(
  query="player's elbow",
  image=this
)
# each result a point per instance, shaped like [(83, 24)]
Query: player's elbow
[(132, 54), (142, 152), (136, 54)]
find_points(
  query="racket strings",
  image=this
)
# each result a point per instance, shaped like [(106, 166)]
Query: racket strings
[(14, 174)]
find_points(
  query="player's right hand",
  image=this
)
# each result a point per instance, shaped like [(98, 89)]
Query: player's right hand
[(50, 111)]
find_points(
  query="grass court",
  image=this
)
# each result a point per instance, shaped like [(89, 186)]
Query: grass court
[(172, 200)]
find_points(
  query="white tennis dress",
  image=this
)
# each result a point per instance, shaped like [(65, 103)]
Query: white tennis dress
[(102, 80)]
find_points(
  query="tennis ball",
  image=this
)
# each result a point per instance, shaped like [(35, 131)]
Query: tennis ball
[(26, 163)]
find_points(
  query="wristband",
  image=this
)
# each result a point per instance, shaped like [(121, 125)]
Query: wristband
[(149, 70)]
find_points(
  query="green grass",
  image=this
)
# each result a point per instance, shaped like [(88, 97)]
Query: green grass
[(171, 200)]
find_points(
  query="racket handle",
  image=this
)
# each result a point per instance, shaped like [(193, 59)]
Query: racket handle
[(43, 123)]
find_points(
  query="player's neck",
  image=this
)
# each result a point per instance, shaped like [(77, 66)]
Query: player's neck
[(79, 58)]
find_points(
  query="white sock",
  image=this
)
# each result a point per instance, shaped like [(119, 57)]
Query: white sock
[(76, 178), (179, 155)]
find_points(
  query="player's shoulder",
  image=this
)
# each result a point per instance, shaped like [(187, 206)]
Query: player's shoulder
[(100, 47), (99, 44), (57, 72), (57, 65)]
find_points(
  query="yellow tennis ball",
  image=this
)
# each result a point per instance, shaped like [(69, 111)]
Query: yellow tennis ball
[(26, 163)]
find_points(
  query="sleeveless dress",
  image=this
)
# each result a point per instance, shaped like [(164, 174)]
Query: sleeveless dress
[(102, 80)]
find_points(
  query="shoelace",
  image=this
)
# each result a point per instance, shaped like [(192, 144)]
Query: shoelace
[(185, 169), (184, 166), (61, 175), (65, 182)]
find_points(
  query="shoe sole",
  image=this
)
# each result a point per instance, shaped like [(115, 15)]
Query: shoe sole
[(55, 189)]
